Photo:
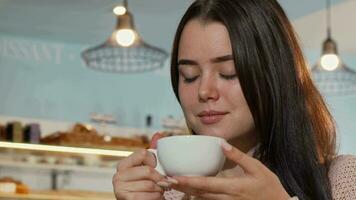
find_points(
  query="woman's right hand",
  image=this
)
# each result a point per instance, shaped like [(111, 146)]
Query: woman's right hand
[(136, 177)]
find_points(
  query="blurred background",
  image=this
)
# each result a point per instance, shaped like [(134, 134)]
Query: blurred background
[(45, 81)]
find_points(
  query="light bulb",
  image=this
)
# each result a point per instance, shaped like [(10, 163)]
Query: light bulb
[(329, 62), (119, 10), (125, 37)]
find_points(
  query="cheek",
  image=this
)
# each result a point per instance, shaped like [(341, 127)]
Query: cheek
[(232, 94), (187, 95), (241, 112)]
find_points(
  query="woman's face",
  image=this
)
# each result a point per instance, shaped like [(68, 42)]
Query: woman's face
[(209, 89)]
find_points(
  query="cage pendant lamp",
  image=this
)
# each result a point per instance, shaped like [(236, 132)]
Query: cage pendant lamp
[(331, 75), (124, 51)]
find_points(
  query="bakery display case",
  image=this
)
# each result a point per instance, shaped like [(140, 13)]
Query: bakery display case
[(84, 155), (61, 157), (59, 195), (82, 150)]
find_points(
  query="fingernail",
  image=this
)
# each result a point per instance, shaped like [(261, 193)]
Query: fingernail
[(172, 180), (163, 184), (225, 145)]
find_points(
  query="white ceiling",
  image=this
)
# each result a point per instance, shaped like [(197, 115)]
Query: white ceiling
[(90, 22)]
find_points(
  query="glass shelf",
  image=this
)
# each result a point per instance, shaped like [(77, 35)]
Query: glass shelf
[(65, 149)]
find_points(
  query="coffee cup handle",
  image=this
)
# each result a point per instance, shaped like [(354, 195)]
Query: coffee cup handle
[(158, 167)]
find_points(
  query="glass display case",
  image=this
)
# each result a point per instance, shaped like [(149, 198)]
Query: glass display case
[(59, 161)]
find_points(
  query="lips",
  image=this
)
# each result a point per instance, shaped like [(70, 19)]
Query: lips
[(211, 116)]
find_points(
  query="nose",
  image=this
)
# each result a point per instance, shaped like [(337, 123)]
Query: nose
[(208, 89)]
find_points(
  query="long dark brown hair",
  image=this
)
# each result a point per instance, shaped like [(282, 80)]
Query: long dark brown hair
[(295, 129)]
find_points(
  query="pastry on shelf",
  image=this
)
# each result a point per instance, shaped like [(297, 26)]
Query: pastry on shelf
[(86, 136), (7, 187), (22, 189), (10, 185)]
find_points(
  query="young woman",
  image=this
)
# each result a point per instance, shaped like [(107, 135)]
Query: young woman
[(238, 72)]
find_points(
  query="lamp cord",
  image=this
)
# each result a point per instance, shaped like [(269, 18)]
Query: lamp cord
[(126, 4), (328, 19)]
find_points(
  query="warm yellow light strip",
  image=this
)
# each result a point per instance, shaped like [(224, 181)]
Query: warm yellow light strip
[(41, 147)]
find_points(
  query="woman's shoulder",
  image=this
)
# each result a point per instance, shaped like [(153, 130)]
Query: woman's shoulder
[(343, 163), (342, 175)]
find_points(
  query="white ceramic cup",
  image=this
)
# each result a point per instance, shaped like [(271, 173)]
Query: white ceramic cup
[(189, 155)]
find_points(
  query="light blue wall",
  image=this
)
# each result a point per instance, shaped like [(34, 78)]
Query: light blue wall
[(344, 112), (49, 80)]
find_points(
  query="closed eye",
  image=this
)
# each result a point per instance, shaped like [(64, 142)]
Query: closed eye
[(228, 77), (190, 80)]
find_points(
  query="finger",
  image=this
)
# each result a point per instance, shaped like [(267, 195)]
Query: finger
[(248, 163), (140, 173), (154, 140), (214, 196), (197, 185), (187, 191), (139, 186), (144, 195), (138, 158)]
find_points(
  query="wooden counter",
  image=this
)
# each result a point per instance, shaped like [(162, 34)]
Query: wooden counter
[(59, 195)]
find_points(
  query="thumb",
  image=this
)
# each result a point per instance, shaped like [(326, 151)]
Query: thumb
[(155, 138), (248, 164)]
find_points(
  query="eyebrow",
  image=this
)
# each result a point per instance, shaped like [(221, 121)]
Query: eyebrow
[(213, 60)]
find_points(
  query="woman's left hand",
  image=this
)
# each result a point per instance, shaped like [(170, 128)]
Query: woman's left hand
[(257, 182)]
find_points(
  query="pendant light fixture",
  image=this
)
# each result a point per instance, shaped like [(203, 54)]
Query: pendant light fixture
[(124, 51), (331, 75)]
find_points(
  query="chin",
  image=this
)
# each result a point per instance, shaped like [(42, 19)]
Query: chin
[(210, 132)]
